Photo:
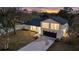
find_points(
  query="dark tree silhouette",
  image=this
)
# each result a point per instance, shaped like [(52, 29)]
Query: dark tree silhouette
[(66, 13)]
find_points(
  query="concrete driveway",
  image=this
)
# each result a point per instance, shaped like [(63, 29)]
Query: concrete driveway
[(41, 44)]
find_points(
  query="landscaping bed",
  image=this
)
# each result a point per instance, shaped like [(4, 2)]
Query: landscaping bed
[(22, 38)]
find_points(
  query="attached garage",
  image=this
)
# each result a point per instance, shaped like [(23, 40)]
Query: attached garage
[(53, 27), (50, 34), (33, 28), (36, 29)]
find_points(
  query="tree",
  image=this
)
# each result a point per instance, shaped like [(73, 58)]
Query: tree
[(75, 31), (66, 13), (68, 9), (7, 21), (4, 25), (9, 17)]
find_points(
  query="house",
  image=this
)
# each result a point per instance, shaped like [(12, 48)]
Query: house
[(55, 27)]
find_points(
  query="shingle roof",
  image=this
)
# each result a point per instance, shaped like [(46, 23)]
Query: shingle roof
[(59, 20), (37, 22)]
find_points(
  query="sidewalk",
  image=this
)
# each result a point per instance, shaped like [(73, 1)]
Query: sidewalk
[(41, 44)]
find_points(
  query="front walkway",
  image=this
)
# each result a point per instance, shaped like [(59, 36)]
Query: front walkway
[(41, 44)]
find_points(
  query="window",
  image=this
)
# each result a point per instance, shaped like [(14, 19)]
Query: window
[(33, 28), (45, 25), (54, 26)]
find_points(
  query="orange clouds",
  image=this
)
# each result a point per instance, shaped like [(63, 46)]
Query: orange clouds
[(50, 11)]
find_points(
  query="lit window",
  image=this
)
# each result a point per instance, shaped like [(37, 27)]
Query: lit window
[(54, 26), (33, 28), (45, 25)]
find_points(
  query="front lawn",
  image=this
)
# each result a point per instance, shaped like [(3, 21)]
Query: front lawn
[(62, 46), (22, 38)]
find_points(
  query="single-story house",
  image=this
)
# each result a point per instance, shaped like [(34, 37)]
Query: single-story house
[(55, 27)]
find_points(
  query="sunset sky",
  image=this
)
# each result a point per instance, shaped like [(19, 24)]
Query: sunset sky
[(44, 9), (50, 8), (39, 8), (47, 9)]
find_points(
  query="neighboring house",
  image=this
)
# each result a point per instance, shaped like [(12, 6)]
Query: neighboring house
[(55, 27)]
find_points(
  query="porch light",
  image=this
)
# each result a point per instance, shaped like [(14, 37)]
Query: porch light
[(65, 33)]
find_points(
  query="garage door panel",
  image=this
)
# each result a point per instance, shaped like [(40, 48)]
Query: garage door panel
[(50, 34)]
